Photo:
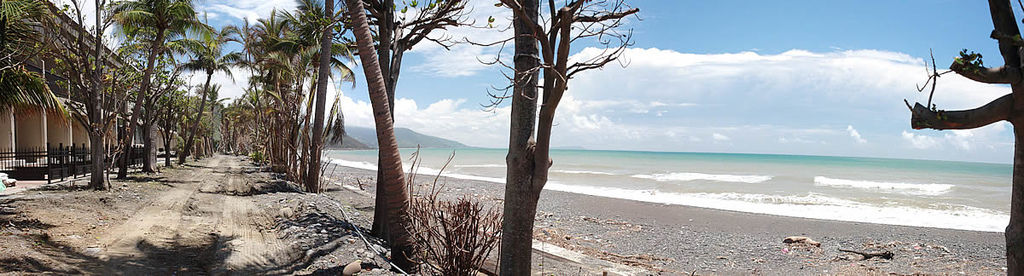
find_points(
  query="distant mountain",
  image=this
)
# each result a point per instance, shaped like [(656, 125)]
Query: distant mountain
[(349, 142), (407, 138)]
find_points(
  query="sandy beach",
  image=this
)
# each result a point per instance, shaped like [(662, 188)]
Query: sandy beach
[(674, 239)]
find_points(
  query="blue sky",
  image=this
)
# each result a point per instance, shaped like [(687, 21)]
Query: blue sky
[(791, 77)]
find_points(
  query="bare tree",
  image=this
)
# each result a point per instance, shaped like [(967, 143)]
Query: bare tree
[(528, 158), (81, 59), (1009, 108)]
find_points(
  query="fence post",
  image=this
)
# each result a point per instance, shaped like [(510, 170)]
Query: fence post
[(46, 158)]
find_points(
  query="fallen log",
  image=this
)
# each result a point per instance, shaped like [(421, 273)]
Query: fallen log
[(868, 255)]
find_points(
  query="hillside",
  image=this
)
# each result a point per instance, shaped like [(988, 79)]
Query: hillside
[(349, 142), (407, 138)]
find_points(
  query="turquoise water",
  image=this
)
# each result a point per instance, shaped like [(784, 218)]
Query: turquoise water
[(959, 195)]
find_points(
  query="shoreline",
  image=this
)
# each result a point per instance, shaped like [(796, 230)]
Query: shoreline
[(631, 195), (682, 239)]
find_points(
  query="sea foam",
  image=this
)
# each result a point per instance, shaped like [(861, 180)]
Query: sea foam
[(481, 166), (355, 164), (703, 176), (905, 188), (811, 205), (582, 172)]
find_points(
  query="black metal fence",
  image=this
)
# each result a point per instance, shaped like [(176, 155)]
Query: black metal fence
[(58, 162)]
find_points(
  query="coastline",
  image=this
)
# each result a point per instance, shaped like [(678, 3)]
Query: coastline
[(676, 239)]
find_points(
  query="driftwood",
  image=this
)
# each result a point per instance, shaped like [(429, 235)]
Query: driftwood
[(801, 239), (868, 255)]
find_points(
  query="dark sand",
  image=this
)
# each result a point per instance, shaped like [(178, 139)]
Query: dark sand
[(673, 239)]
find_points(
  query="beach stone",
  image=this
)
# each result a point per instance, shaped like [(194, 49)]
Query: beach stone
[(92, 251), (287, 212), (352, 268)]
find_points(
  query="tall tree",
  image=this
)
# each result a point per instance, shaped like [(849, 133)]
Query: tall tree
[(208, 57), (324, 74), (398, 30), (155, 22), (396, 230), (81, 59), (1006, 108), (172, 109), (528, 159)]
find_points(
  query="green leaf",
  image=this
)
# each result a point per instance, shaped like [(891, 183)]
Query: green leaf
[(490, 19)]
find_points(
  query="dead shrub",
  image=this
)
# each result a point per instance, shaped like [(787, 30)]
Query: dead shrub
[(453, 237)]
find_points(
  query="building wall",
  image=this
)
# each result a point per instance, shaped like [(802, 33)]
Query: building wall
[(58, 130), (7, 130), (29, 129), (79, 135)]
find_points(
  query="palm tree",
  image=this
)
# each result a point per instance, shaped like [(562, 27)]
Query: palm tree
[(155, 22), (397, 203), (314, 21), (208, 57), (20, 21), (324, 72)]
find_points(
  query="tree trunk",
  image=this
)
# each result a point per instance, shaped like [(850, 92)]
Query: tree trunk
[(167, 148), (139, 98), (96, 180), (149, 163), (315, 146), (1015, 230), (97, 154), (520, 205), (195, 125), (395, 192)]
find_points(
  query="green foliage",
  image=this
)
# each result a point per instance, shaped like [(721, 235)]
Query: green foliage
[(969, 61), (20, 22)]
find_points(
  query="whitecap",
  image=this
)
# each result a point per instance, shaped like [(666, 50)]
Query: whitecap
[(582, 172), (703, 176), (898, 187), (811, 205)]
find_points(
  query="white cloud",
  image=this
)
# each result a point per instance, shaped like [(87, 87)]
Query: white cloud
[(231, 87), (241, 9), (855, 135), (760, 103), (920, 141), (464, 59)]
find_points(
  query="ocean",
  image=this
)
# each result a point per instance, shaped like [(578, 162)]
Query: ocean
[(942, 194)]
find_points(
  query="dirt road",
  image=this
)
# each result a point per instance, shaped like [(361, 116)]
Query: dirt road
[(204, 218), (204, 224)]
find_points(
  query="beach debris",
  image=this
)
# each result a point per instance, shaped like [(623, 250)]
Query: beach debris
[(868, 255), (801, 239)]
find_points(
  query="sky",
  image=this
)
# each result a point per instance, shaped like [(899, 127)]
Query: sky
[(781, 77)]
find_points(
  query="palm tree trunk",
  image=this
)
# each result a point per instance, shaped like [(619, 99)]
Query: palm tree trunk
[(520, 193), (323, 76), (395, 192), (195, 124), (139, 98)]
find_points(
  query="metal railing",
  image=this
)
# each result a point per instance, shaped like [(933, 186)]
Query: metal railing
[(58, 162)]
